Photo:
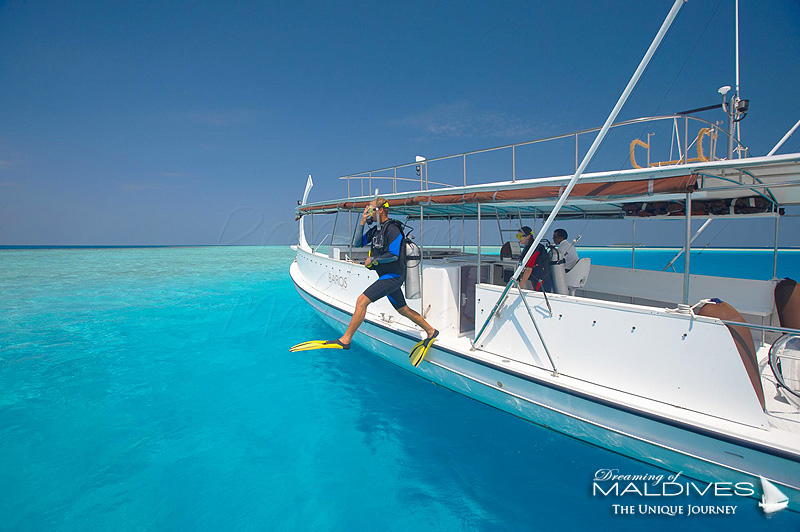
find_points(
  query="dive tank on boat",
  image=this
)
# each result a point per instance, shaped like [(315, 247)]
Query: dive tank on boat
[(413, 285), (558, 271)]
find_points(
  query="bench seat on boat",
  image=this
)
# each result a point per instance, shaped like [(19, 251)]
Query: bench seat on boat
[(748, 296)]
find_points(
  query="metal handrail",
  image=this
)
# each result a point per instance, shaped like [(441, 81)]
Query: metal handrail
[(446, 185), (773, 328), (750, 186), (536, 325), (369, 174), (323, 241)]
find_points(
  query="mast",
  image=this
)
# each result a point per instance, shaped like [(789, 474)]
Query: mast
[(738, 124), (737, 49)]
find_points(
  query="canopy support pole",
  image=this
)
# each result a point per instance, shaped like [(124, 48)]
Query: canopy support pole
[(333, 233), (775, 250), (463, 232), (449, 236), (479, 243), (421, 270), (687, 247)]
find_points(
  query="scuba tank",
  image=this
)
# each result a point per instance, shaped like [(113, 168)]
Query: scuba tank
[(558, 271), (413, 284)]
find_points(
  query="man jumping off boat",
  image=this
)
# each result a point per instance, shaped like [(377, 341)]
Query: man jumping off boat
[(386, 257)]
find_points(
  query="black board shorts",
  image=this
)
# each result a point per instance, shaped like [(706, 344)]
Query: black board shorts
[(389, 285)]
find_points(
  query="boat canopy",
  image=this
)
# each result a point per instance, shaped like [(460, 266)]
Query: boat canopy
[(756, 185)]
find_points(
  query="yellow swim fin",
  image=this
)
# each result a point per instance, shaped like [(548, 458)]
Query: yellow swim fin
[(318, 344), (419, 351)]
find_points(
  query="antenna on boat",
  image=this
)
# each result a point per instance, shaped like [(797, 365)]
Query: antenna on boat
[(738, 127), (422, 171), (736, 108), (737, 48)]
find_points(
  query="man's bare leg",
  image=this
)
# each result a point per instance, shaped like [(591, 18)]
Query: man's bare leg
[(358, 318), (415, 316)]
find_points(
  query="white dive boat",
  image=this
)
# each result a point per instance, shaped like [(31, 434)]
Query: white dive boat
[(637, 361)]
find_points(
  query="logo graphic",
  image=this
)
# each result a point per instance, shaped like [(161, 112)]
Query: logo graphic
[(666, 494)]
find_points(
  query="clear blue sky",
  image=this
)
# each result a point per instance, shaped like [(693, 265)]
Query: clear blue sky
[(155, 122)]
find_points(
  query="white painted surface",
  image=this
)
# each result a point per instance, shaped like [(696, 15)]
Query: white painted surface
[(440, 291), (579, 275), (644, 351), (345, 281)]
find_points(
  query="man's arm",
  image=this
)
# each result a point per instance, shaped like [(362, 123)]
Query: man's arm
[(359, 239), (525, 275)]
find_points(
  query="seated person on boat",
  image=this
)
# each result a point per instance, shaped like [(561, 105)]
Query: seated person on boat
[(565, 248), (537, 269)]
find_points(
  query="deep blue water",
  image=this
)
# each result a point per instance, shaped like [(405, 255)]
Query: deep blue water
[(152, 389)]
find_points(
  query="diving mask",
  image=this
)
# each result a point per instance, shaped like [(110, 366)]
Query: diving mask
[(371, 217)]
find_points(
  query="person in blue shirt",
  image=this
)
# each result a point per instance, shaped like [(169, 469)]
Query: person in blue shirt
[(387, 259)]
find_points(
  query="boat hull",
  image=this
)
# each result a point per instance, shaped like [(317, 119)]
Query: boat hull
[(698, 454)]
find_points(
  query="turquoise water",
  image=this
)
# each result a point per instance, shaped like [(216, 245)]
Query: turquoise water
[(747, 264), (151, 389)]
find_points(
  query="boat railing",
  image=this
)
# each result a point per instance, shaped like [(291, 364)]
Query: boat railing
[(335, 240), (761, 327), (323, 241), (361, 183)]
